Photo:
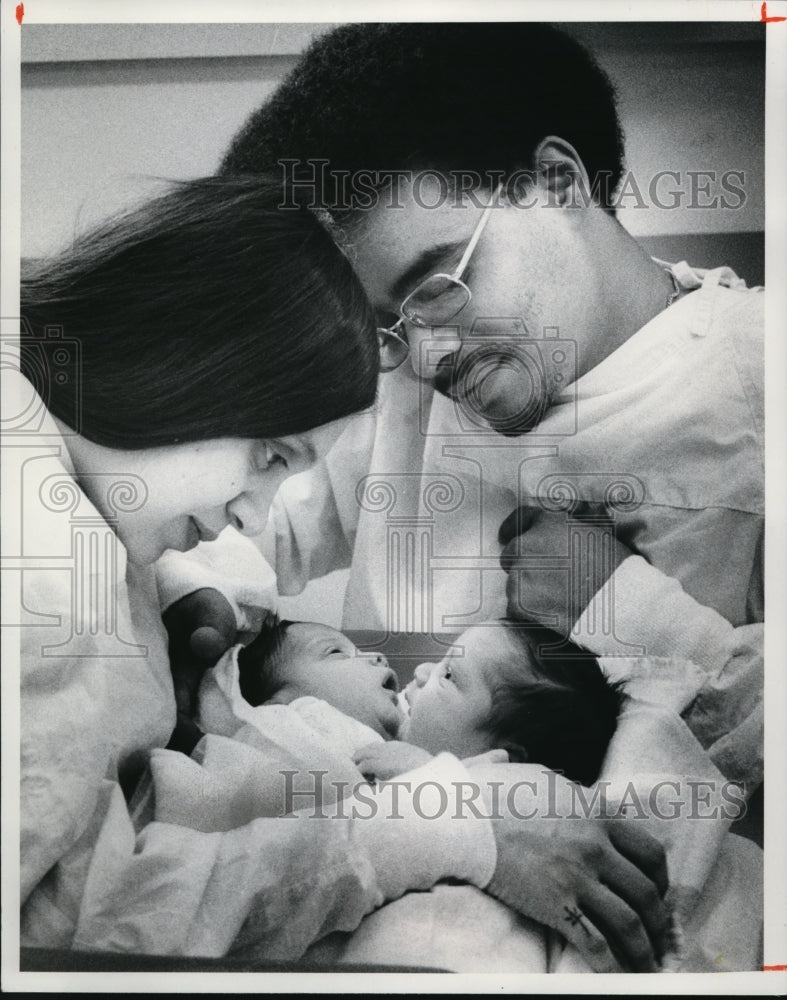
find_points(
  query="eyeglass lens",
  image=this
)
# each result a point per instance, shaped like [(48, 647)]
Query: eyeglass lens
[(436, 301)]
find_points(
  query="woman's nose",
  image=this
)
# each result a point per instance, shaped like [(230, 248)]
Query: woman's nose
[(429, 345), (247, 514)]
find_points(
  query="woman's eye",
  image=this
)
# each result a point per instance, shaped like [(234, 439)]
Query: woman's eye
[(267, 457)]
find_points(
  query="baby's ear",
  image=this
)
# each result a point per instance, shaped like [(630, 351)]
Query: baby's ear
[(516, 752)]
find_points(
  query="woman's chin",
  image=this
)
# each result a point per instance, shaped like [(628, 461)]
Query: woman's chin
[(147, 549), (189, 538)]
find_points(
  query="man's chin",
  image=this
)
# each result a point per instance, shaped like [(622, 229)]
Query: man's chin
[(507, 420), (516, 425), (504, 398)]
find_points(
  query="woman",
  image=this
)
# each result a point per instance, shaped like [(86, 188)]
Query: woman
[(176, 365)]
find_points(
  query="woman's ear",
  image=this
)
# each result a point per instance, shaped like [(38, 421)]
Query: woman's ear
[(560, 168)]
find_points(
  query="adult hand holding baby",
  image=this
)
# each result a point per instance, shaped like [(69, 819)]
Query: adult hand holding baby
[(557, 561), (200, 627), (598, 882)]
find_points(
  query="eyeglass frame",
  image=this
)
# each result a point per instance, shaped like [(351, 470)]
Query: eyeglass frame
[(392, 332)]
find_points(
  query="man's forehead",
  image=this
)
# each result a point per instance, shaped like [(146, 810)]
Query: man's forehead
[(392, 236)]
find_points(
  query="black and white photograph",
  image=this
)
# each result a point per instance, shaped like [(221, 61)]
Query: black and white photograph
[(394, 477)]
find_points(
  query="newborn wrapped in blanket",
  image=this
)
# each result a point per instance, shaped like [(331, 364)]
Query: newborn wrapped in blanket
[(715, 877)]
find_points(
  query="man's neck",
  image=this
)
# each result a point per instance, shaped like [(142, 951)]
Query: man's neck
[(636, 289)]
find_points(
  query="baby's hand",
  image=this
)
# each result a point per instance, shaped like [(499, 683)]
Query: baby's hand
[(381, 761)]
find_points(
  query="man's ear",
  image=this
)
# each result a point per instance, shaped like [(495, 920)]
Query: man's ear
[(560, 168)]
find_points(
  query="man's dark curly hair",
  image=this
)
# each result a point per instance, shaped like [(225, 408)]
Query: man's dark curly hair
[(565, 718), (448, 97)]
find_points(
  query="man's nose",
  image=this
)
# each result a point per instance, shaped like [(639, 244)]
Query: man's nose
[(429, 345)]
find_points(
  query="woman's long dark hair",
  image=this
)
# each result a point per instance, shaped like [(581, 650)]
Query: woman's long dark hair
[(208, 312)]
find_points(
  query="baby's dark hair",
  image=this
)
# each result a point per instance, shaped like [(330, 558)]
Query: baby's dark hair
[(260, 663), (566, 719)]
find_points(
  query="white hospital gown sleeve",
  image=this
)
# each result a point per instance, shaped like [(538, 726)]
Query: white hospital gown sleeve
[(280, 883), (314, 518), (305, 538), (726, 713)]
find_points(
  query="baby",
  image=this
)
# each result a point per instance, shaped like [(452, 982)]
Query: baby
[(503, 687), (301, 703)]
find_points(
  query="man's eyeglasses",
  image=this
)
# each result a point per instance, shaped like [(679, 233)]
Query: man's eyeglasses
[(433, 302)]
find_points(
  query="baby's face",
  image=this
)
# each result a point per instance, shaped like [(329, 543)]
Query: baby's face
[(450, 702), (319, 661)]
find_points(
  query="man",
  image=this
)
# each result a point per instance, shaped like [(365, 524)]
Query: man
[(469, 171), (405, 133)]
